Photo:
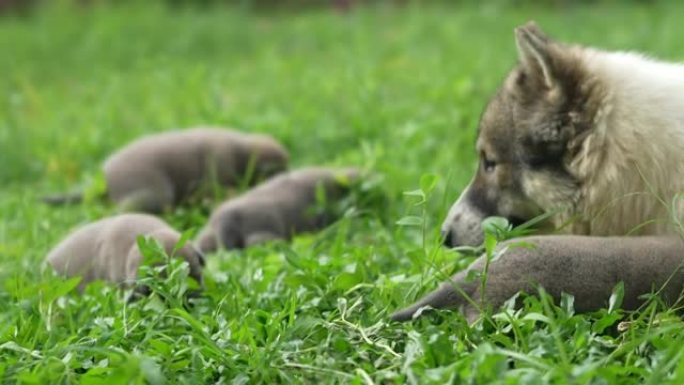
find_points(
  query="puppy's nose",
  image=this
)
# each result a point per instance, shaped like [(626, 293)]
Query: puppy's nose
[(447, 238)]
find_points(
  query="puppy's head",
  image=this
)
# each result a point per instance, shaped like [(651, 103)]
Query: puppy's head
[(194, 257), (224, 230), (206, 240), (268, 156), (528, 134)]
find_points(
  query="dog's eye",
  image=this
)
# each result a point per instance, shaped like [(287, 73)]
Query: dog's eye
[(488, 164)]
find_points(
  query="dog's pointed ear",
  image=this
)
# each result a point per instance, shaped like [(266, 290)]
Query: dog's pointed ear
[(536, 54)]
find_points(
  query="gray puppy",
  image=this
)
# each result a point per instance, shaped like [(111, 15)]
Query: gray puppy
[(107, 249), (277, 208), (586, 267), (159, 171)]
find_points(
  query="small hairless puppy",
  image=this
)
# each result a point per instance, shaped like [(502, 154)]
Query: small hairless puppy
[(107, 249), (586, 267), (276, 209), (159, 171)]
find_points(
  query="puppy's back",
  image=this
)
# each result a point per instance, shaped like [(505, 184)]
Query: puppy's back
[(98, 250)]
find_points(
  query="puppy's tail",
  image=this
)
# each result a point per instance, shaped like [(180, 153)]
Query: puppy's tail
[(63, 199), (447, 295)]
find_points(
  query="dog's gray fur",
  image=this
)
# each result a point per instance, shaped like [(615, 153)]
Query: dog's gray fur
[(276, 209), (586, 267), (528, 136), (107, 249), (159, 171)]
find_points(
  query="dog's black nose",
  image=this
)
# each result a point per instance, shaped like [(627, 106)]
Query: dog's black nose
[(447, 238)]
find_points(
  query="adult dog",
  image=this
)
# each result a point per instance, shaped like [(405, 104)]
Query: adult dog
[(596, 137)]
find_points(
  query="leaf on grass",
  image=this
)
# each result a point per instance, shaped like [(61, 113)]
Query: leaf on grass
[(11, 345), (160, 346), (415, 193), (537, 317), (60, 288), (182, 241), (495, 225), (95, 375), (410, 220), (345, 280), (428, 183), (418, 194), (473, 275), (616, 297), (151, 250), (490, 244), (97, 188), (606, 321), (195, 324), (567, 303), (151, 371)]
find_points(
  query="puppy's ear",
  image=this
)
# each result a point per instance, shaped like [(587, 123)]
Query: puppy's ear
[(538, 55)]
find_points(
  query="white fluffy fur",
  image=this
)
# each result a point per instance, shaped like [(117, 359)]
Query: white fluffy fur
[(632, 164)]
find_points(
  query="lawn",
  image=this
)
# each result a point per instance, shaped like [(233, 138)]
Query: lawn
[(396, 90)]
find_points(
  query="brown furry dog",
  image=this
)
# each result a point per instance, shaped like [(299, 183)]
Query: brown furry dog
[(275, 209), (159, 171), (107, 249)]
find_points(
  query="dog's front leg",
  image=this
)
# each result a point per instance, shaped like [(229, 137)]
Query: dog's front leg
[(586, 267)]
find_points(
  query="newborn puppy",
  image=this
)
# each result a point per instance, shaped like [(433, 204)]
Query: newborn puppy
[(107, 249), (586, 267), (276, 209), (159, 171)]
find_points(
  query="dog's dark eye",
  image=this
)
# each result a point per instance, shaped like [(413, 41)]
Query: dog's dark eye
[(488, 164)]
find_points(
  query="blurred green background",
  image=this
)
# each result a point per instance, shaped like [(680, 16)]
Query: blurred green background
[(393, 86)]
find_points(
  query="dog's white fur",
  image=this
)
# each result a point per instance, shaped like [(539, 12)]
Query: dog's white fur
[(632, 163)]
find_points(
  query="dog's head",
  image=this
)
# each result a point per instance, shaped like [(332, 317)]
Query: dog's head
[(528, 135), (270, 157), (169, 241)]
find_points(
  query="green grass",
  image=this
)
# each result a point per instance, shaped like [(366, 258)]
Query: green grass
[(395, 90)]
